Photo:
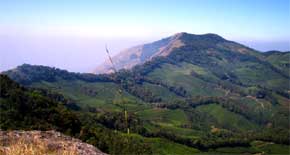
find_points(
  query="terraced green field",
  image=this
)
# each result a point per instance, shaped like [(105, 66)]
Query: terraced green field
[(181, 76), (164, 93), (226, 118), (165, 147), (210, 95), (99, 95)]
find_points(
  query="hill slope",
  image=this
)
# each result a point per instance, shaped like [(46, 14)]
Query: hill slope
[(139, 54), (131, 57), (209, 93), (34, 109)]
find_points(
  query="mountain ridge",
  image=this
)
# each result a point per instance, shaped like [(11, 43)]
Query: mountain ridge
[(208, 94), (130, 57), (138, 55)]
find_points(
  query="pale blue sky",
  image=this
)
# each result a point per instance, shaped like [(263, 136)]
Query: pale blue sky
[(71, 34)]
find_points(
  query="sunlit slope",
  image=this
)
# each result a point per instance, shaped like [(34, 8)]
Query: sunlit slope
[(96, 94), (279, 60), (207, 93)]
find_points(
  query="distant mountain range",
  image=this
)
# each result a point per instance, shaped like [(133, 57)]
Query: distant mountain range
[(190, 93)]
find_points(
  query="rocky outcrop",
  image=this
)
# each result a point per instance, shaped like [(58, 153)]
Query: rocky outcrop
[(43, 142)]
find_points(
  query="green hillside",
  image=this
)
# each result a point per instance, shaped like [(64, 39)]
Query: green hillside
[(279, 59), (209, 95), (27, 109)]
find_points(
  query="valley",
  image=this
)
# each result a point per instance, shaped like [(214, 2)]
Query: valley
[(187, 94)]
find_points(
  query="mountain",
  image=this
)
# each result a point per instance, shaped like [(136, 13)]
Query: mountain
[(207, 95), (139, 54)]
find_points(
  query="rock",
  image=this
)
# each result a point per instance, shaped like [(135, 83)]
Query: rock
[(48, 141)]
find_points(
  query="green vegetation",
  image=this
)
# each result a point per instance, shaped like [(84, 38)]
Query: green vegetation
[(279, 59), (164, 147), (24, 109), (29, 110), (208, 96), (227, 119)]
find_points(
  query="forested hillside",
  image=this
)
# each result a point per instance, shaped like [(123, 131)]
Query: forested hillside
[(208, 95)]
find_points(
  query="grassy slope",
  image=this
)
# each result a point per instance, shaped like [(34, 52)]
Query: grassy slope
[(164, 93), (255, 73), (226, 118), (161, 146), (280, 60), (174, 117), (256, 147), (162, 119), (95, 94), (165, 147), (203, 78), (181, 76)]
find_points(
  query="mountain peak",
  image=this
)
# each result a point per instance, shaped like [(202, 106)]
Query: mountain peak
[(206, 35), (213, 35), (180, 34), (210, 37), (139, 54)]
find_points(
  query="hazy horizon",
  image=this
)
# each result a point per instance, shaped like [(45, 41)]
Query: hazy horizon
[(71, 35)]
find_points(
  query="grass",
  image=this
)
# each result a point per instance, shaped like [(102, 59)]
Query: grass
[(226, 118), (236, 150), (271, 148), (181, 76), (162, 146), (168, 120), (255, 73), (164, 93), (257, 147), (166, 116), (280, 61), (104, 96), (35, 147), (96, 94)]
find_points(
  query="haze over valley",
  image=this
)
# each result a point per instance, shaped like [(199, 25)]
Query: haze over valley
[(144, 77), (65, 34)]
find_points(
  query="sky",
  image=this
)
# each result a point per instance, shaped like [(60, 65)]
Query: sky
[(72, 34)]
